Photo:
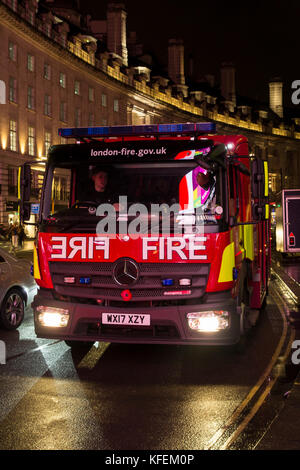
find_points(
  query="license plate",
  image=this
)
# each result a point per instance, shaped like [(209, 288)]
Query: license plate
[(125, 319)]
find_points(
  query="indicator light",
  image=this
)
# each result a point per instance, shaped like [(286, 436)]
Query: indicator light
[(85, 280), (69, 280), (185, 282), (167, 282)]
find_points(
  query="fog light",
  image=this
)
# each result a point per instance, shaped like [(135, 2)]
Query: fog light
[(185, 282), (214, 320), (53, 317)]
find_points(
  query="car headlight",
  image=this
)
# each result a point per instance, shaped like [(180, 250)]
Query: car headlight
[(213, 320), (53, 317)]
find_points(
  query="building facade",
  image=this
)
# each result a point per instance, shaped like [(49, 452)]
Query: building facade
[(57, 70)]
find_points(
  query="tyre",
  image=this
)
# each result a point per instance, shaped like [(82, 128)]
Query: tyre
[(12, 310)]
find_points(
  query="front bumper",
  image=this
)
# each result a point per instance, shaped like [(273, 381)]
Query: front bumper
[(168, 324)]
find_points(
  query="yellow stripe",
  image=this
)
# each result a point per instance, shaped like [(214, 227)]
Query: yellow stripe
[(92, 357), (19, 182), (266, 179), (227, 265), (267, 211), (248, 241), (36, 269)]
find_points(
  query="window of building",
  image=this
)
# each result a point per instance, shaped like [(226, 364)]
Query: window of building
[(63, 39), (30, 97), (116, 106), (12, 51), (63, 111), (91, 94), (47, 71), (47, 143), (47, 29), (274, 182), (91, 119), (31, 140), (77, 117), (12, 90), (77, 87), (13, 135), (37, 178), (62, 80), (104, 100), (30, 62), (47, 105), (14, 5), (31, 17)]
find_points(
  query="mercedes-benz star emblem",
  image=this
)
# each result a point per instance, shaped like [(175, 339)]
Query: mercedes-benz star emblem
[(125, 272)]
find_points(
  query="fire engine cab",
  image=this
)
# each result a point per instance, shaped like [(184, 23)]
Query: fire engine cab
[(150, 234)]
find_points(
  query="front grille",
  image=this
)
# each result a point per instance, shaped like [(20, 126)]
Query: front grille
[(159, 331), (148, 287)]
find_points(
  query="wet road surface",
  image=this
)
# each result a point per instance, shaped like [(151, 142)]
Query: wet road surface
[(126, 397)]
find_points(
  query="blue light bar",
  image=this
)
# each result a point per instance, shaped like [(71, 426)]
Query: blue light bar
[(127, 131)]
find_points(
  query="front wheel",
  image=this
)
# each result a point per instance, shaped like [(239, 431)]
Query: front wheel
[(12, 310)]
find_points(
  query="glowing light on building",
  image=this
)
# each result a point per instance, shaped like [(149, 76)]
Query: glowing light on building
[(4, 141)]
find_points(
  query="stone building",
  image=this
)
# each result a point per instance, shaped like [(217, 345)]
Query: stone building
[(59, 68)]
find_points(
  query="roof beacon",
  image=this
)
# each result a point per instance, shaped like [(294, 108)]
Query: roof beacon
[(153, 129)]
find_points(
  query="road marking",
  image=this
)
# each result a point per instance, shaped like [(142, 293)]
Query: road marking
[(94, 354), (265, 375)]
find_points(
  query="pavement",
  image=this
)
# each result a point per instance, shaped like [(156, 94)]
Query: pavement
[(284, 431)]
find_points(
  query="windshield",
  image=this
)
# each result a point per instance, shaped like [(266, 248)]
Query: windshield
[(177, 189)]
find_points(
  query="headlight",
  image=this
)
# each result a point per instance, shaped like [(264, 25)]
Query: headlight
[(213, 320), (53, 317)]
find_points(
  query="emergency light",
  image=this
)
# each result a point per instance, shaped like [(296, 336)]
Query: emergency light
[(153, 129)]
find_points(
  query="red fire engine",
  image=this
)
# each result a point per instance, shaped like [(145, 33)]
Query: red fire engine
[(172, 246)]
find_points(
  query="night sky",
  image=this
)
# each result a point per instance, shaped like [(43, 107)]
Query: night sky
[(260, 37)]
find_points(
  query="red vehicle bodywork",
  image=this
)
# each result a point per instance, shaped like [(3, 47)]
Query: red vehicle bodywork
[(246, 239)]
